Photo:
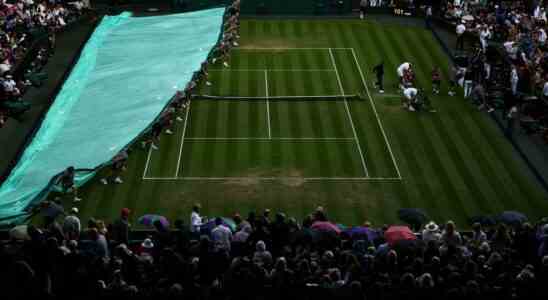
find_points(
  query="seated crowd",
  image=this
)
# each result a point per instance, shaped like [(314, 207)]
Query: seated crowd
[(261, 257), (22, 22)]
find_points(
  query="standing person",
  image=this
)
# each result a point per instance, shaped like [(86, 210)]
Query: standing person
[(363, 8), (195, 219), (120, 228), (402, 69), (514, 79), (221, 236), (460, 30), (484, 35), (72, 225), (118, 165), (428, 17), (436, 80), (67, 183), (379, 71)]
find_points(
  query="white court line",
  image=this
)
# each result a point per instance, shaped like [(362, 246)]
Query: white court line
[(182, 140), (313, 139), (271, 70), (273, 178), (376, 114), (148, 162), (267, 104), (286, 48), (348, 113), (277, 97)]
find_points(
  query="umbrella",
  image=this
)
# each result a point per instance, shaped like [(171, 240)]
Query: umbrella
[(483, 220), (19, 232), (326, 226), (53, 210), (149, 220), (395, 234), (512, 217), (359, 231), (413, 216)]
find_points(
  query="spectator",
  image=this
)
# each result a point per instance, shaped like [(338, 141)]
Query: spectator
[(221, 236), (120, 228), (195, 219), (71, 225), (67, 183), (431, 232)]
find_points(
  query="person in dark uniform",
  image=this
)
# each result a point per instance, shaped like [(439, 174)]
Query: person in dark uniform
[(379, 71), (67, 183)]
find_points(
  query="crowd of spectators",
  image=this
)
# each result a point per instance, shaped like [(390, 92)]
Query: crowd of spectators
[(21, 23), (507, 64), (273, 257)]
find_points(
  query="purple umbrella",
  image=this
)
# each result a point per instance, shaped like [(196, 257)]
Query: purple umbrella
[(359, 231), (148, 220)]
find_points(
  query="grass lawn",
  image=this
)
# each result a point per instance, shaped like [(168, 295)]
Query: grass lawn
[(362, 158)]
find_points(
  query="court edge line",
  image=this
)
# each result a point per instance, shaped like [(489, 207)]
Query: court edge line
[(313, 139), (273, 178), (267, 104), (288, 48), (148, 162), (364, 82), (182, 140), (348, 113), (276, 97), (271, 70)]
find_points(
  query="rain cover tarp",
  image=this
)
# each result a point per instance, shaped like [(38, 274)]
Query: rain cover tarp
[(126, 74)]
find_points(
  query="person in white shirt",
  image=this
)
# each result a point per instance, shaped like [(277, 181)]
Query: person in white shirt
[(10, 86), (545, 90), (484, 35), (221, 236), (542, 36), (514, 79), (409, 95), (460, 30), (431, 232), (404, 67), (195, 219), (511, 49)]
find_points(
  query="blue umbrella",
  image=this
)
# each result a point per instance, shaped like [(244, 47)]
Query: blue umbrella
[(53, 210), (413, 216), (512, 218), (483, 220), (362, 232)]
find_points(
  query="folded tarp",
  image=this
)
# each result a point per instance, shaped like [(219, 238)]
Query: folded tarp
[(125, 76)]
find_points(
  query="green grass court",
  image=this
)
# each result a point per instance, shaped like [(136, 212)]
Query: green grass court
[(300, 140)]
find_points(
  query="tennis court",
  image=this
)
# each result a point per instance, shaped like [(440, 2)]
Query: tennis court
[(266, 131)]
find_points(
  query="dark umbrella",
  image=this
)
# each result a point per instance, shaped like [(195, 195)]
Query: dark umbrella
[(483, 220), (53, 210), (413, 216), (360, 232), (512, 218)]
